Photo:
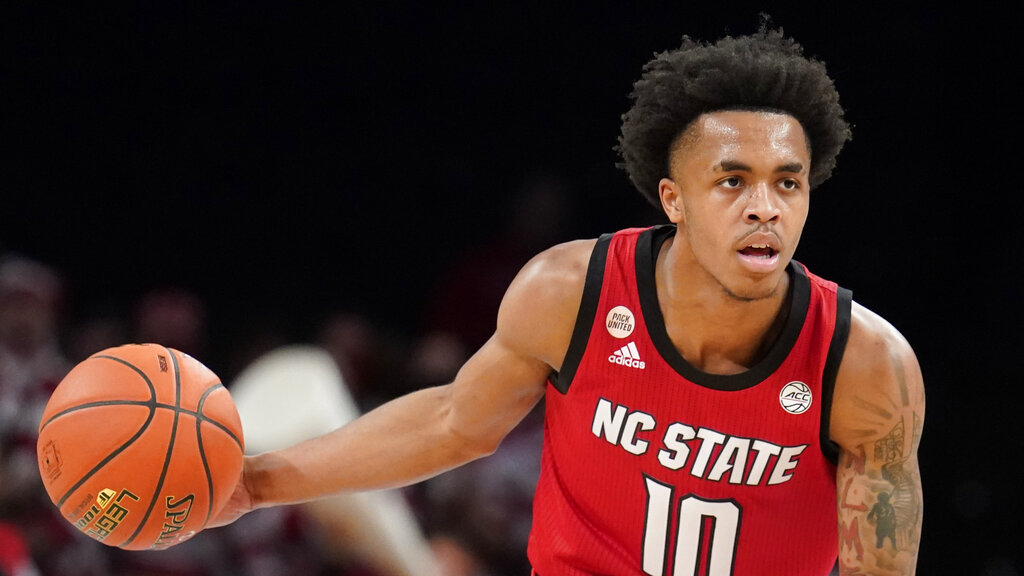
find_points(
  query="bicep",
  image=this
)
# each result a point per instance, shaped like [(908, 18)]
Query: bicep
[(877, 420), (495, 389), (505, 379)]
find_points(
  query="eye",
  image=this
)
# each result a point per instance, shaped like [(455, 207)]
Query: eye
[(731, 182), (790, 184)]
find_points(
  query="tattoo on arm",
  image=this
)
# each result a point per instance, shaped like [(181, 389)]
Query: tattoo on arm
[(880, 497)]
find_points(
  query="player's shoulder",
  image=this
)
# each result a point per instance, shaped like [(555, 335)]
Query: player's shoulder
[(559, 269), (573, 254), (879, 375), (539, 309), (873, 340)]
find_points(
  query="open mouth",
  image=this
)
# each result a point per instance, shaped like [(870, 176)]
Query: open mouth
[(759, 251)]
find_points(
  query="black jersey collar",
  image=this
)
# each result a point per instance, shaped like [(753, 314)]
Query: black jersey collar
[(799, 296)]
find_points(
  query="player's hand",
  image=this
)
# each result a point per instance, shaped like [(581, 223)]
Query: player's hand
[(240, 502)]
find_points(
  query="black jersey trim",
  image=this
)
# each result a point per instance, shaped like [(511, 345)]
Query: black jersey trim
[(585, 316), (844, 305), (798, 300)]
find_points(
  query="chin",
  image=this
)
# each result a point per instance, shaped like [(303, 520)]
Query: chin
[(749, 296), (750, 290)]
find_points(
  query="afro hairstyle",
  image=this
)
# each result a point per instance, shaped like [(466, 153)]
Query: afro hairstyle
[(761, 71)]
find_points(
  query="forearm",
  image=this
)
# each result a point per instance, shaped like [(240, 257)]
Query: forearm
[(402, 442)]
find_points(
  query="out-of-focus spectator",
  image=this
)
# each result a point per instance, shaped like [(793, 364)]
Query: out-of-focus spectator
[(174, 317), (353, 342), (15, 558), (32, 363), (465, 301), (99, 330), (31, 366), (436, 357)]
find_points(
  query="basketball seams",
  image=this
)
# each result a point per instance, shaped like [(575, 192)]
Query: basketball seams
[(202, 449), (99, 466), (170, 451), (201, 417), (99, 404), (144, 403), (145, 377), (151, 402)]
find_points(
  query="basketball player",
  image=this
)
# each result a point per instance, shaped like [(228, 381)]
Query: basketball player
[(712, 407)]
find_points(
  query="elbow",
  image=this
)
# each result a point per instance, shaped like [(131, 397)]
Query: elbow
[(486, 446), (472, 445), (470, 439), (475, 427)]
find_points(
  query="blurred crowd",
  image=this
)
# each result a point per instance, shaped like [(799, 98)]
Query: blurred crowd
[(475, 519)]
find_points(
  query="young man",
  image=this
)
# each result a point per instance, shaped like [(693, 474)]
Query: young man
[(712, 407)]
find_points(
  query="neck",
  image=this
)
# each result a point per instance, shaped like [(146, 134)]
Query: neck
[(714, 330)]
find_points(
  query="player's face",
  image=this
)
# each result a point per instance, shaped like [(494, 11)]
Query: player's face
[(739, 192)]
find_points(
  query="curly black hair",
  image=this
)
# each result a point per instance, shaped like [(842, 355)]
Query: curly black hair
[(762, 71)]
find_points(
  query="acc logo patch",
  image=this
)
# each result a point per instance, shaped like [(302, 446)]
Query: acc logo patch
[(795, 397), (620, 322)]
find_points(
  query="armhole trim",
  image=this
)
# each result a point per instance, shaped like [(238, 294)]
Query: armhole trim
[(836, 348), (585, 316)]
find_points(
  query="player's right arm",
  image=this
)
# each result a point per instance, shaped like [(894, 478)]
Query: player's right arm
[(430, 431)]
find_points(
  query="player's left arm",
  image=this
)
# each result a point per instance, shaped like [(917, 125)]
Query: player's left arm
[(877, 420)]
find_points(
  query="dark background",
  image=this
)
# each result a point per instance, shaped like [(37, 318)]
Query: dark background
[(291, 160)]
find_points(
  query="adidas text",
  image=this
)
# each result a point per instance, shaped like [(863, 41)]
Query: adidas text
[(628, 355)]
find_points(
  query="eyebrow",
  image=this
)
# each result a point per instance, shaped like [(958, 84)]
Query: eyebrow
[(733, 166)]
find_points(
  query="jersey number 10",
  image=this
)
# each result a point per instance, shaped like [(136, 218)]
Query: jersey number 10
[(707, 533)]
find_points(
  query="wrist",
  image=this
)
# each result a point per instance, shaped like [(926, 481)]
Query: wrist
[(255, 475)]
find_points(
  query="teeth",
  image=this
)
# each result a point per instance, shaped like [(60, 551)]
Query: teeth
[(759, 246)]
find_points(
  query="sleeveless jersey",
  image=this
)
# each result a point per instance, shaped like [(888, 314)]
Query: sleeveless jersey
[(651, 466)]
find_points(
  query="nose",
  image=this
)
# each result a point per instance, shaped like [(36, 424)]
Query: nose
[(762, 205)]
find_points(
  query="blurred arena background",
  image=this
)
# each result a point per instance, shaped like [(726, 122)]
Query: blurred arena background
[(233, 178)]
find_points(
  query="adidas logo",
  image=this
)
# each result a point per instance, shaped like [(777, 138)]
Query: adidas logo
[(628, 355)]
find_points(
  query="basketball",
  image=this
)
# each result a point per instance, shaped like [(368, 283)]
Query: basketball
[(140, 446)]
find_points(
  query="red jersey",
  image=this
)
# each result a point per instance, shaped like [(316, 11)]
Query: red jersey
[(651, 466)]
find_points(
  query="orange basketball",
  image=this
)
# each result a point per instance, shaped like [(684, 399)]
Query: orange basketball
[(140, 446)]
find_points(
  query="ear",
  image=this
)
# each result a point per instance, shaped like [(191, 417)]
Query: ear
[(671, 200)]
